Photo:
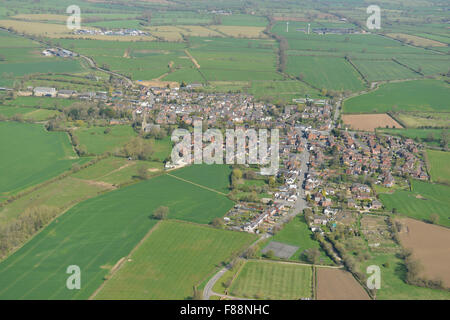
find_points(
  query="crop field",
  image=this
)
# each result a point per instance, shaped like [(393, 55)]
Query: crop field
[(175, 257), (273, 280), (32, 155), (424, 119), (429, 244), (369, 122), (96, 233), (336, 284), (214, 176), (417, 134), (424, 200), (438, 65), (417, 41), (297, 233), (382, 70), (282, 90), (98, 141), (439, 166), (420, 95), (325, 72)]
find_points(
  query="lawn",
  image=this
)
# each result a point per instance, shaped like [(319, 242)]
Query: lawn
[(424, 199), (440, 166), (176, 257), (272, 280), (298, 234), (96, 233), (419, 95), (32, 155)]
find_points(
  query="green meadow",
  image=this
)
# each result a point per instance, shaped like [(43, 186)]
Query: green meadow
[(419, 95), (439, 166), (96, 233), (175, 257), (421, 135), (214, 176), (32, 155)]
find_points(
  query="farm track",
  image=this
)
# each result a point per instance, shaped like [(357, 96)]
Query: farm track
[(195, 184)]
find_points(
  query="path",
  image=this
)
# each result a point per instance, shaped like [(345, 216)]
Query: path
[(196, 184)]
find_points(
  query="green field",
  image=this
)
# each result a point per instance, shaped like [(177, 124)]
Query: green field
[(382, 70), (424, 200), (417, 134), (40, 102), (214, 176), (440, 166), (297, 233), (173, 259), (97, 141), (272, 280), (420, 95), (96, 233), (32, 155)]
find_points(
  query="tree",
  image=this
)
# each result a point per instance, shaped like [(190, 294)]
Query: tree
[(217, 222), (270, 254), (434, 218), (142, 172), (312, 255), (161, 213)]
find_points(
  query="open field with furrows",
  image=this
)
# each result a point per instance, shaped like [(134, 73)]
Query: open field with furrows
[(420, 95), (325, 72), (214, 176), (439, 166), (297, 233), (337, 284), (382, 70), (429, 244), (424, 200), (98, 141), (424, 119), (175, 257), (272, 280), (98, 232), (369, 122), (20, 56), (32, 155)]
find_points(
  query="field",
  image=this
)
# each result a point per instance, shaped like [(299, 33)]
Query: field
[(424, 119), (439, 166), (40, 102), (214, 176), (424, 199), (97, 141), (417, 41), (382, 70), (28, 113), (32, 155), (297, 233), (420, 95), (429, 244), (96, 233), (273, 280), (175, 257), (336, 284), (421, 135), (369, 122)]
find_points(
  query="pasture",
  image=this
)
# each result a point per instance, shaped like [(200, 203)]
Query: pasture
[(273, 280), (96, 233), (382, 70), (419, 95), (424, 200), (175, 257), (337, 284), (424, 119), (32, 155), (421, 135), (214, 176), (27, 113), (439, 166)]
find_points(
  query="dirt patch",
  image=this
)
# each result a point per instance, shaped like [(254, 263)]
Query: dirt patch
[(369, 122), (192, 59), (154, 170), (429, 244), (157, 83), (337, 284)]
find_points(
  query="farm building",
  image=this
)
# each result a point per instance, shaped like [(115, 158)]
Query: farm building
[(44, 92)]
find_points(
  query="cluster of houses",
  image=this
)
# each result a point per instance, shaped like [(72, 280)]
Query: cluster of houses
[(121, 32), (58, 52), (65, 94)]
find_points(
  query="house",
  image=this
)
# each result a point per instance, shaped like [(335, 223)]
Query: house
[(66, 93), (44, 92), (376, 205)]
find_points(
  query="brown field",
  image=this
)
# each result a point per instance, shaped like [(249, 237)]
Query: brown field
[(430, 245), (337, 284), (369, 122), (157, 83), (418, 41), (241, 31)]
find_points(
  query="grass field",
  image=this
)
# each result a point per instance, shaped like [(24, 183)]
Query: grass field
[(214, 176), (382, 70), (97, 141), (32, 155), (440, 166), (424, 199), (40, 102), (96, 233), (420, 95), (417, 134), (297, 233), (272, 280), (424, 119), (28, 113), (172, 260)]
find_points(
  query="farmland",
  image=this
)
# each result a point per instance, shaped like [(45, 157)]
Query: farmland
[(424, 199), (429, 244), (213, 176), (369, 122), (51, 152), (439, 166), (174, 258), (422, 135), (420, 95), (273, 280), (336, 284)]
